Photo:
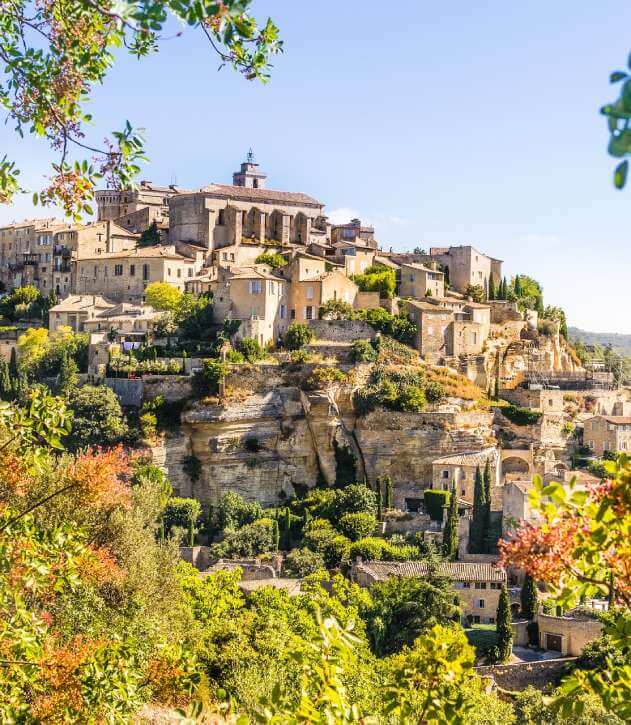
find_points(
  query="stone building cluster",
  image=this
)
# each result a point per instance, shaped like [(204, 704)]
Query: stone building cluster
[(209, 240)]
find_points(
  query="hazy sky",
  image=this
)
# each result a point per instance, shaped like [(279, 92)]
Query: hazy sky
[(454, 122)]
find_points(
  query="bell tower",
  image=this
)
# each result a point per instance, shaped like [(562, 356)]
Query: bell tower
[(249, 175)]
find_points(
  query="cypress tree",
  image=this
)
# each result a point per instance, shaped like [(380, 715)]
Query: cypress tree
[(5, 381), (529, 596), (539, 306), (68, 377), (275, 535), (486, 478), (503, 626), (13, 364), (478, 520), (287, 528), (191, 533), (388, 493), (517, 286), (492, 291), (450, 532), (504, 289), (379, 501)]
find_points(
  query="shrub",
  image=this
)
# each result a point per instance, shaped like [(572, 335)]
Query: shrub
[(273, 259), (98, 417), (400, 327), (234, 356), (521, 416), (336, 550), (234, 511), (357, 526), (369, 548), (206, 381), (182, 513), (400, 552), (411, 399), (434, 392), (299, 357), (251, 349), (248, 541), (148, 425), (298, 335), (363, 351), (476, 292), (192, 467), (377, 279), (321, 377), (336, 310), (434, 502), (302, 562), (356, 498)]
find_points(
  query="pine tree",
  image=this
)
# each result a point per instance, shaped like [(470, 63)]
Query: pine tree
[(450, 532), (478, 520), (503, 626), (150, 237), (68, 377), (529, 596), (388, 493), (492, 291)]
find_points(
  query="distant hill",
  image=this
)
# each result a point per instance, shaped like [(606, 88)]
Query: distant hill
[(620, 343)]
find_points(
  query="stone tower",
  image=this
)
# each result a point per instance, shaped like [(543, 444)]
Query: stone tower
[(250, 175)]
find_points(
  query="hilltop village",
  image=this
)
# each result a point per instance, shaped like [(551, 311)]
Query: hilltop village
[(261, 355)]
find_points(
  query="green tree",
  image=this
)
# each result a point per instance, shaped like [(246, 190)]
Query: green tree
[(13, 363), (478, 520), (618, 114), (492, 290), (517, 286), (379, 499), (298, 335), (68, 377), (302, 562), (377, 279), (273, 259), (163, 296), (503, 626), (97, 417), (36, 63), (357, 526), (450, 532), (529, 597), (150, 237), (388, 493), (476, 292), (486, 478), (403, 608), (6, 389)]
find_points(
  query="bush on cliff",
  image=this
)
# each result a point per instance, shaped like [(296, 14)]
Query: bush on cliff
[(298, 335)]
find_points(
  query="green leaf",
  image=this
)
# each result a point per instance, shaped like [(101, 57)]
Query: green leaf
[(620, 175), (616, 76)]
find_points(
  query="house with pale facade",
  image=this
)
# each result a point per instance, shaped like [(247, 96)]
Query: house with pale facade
[(608, 433), (477, 585), (458, 470), (75, 310), (420, 281), (467, 266), (255, 296), (354, 232), (124, 276)]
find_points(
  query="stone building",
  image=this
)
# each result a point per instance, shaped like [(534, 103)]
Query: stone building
[(354, 257), (611, 433), (124, 276), (459, 470), (568, 635), (136, 209), (467, 266), (354, 231), (419, 281), (535, 397), (477, 585), (256, 297), (75, 310), (220, 215)]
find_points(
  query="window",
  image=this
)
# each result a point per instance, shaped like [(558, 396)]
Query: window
[(476, 619), (282, 312), (118, 270), (309, 312), (232, 256), (480, 585), (445, 474), (496, 585), (168, 271), (221, 217), (179, 273), (309, 293), (190, 272), (132, 270), (293, 314), (255, 287), (145, 271), (479, 604), (474, 338), (490, 620)]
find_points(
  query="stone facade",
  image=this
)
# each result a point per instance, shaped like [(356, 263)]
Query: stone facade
[(609, 433), (467, 266), (567, 635), (342, 330), (419, 281)]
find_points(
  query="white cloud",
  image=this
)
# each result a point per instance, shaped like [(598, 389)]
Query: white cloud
[(343, 215)]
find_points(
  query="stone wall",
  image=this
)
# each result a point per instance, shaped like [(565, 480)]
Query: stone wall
[(522, 674), (129, 392), (574, 632), (170, 387), (341, 330)]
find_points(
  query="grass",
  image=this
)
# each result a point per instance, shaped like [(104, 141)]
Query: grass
[(481, 637)]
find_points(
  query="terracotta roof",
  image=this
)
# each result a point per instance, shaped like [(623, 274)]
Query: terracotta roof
[(617, 419), (468, 458), (291, 586), (379, 259), (456, 571), (76, 303), (427, 306), (254, 273), (243, 192), (161, 252), (421, 267)]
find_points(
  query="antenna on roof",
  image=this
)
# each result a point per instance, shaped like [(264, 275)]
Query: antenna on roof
[(173, 178), (250, 157)]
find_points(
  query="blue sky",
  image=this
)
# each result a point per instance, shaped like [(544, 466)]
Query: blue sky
[(451, 123)]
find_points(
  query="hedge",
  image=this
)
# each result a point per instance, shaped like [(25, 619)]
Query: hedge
[(434, 502), (521, 416)]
